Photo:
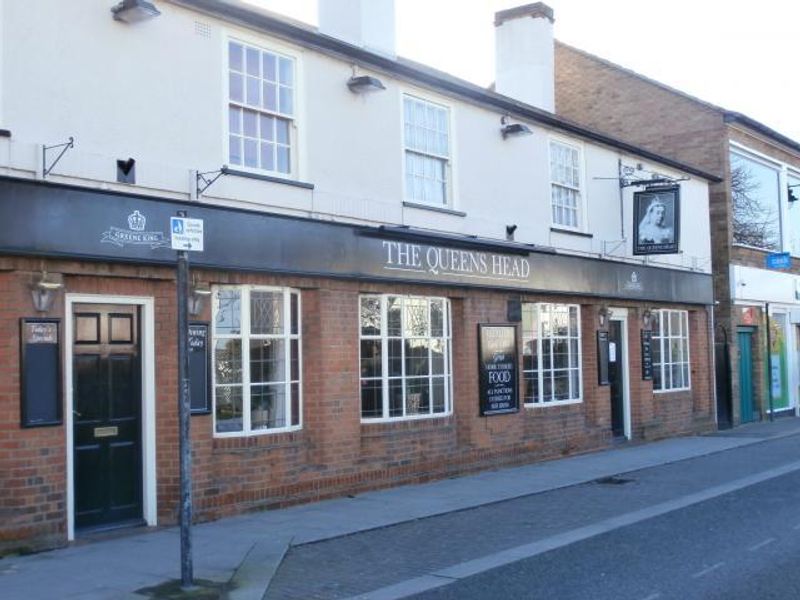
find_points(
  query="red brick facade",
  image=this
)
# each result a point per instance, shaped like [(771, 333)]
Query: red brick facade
[(334, 453)]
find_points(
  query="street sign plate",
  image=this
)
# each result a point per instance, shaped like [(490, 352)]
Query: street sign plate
[(779, 260), (187, 234)]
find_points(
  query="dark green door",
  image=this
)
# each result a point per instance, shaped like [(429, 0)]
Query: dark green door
[(107, 415), (745, 338)]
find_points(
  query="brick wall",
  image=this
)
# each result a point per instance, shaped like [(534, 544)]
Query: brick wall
[(334, 453)]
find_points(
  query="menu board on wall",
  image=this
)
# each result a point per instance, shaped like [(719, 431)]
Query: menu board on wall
[(40, 372), (647, 355), (497, 357), (199, 372), (602, 358)]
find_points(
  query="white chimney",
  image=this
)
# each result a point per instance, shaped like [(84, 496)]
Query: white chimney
[(368, 24), (524, 62)]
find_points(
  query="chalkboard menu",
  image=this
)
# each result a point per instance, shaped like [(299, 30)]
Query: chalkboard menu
[(40, 372), (199, 372), (602, 358), (647, 354), (497, 355)]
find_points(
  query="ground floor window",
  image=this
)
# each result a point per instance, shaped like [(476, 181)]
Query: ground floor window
[(551, 353), (257, 357), (670, 350), (405, 357)]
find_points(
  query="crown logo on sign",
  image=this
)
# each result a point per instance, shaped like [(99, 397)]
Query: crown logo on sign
[(136, 221), (634, 277)]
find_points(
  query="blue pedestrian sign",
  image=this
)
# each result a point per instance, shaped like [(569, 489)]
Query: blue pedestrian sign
[(779, 260), (187, 234)]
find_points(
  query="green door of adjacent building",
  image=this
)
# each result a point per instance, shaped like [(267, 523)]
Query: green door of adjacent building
[(745, 339)]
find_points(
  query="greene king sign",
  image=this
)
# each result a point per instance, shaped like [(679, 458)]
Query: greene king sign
[(454, 262)]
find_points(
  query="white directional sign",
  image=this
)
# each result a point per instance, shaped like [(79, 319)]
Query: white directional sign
[(187, 234)]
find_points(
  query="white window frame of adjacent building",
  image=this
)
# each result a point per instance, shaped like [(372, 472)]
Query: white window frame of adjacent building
[(567, 180), (288, 334), (793, 211), (665, 356), (425, 145), (377, 370), (252, 119), (537, 336)]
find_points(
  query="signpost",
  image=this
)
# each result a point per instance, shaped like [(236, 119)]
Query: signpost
[(186, 235)]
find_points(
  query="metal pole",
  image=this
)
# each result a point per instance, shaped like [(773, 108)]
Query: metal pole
[(769, 367), (187, 575)]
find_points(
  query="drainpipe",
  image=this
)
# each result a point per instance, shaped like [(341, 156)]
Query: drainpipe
[(712, 347), (769, 366)]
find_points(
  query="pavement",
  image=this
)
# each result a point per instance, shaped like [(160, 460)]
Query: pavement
[(243, 553)]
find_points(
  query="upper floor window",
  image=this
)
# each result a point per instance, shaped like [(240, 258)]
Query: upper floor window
[(756, 200), (256, 360), (426, 129), (551, 353), (670, 350), (565, 184), (405, 357), (261, 98), (793, 196)]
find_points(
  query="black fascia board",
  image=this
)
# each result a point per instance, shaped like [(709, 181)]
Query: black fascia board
[(311, 38)]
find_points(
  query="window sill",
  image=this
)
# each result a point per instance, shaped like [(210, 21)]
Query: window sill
[(255, 434), (673, 391), (386, 420), (535, 405), (447, 211), (270, 178), (571, 232)]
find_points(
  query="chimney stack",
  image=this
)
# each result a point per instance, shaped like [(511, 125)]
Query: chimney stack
[(368, 24), (524, 67)]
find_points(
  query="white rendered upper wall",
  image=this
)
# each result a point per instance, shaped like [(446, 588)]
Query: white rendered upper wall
[(158, 92), (368, 24)]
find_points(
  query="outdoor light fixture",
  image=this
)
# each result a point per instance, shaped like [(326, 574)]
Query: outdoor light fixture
[(43, 292), (134, 11), (513, 129), (602, 316), (197, 296), (362, 84), (647, 318)]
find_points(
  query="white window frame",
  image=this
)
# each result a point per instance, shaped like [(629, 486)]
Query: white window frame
[(294, 119), (663, 341), (245, 336), (581, 204), (449, 179), (538, 339), (385, 378), (791, 207)]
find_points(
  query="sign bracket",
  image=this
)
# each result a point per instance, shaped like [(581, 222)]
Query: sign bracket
[(70, 143)]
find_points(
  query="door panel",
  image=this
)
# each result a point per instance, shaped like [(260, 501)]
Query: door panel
[(616, 365), (107, 414)]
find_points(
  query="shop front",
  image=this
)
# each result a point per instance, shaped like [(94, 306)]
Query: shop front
[(327, 358)]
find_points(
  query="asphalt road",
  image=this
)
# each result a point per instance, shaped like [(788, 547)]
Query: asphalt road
[(725, 525)]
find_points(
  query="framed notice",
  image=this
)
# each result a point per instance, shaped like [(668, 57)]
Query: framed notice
[(647, 355), (602, 358), (656, 221), (40, 372), (498, 370), (199, 369)]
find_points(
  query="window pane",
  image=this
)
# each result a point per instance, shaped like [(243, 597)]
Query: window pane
[(269, 66), (531, 387), (228, 361), (294, 308), (416, 317), (294, 358), (286, 100), (235, 57), (437, 357), (286, 71), (228, 317), (235, 149), (234, 120), (283, 159), (417, 362), (266, 313), (438, 393), (417, 396), (236, 87), (250, 120), (250, 153), (253, 88), (395, 358), (395, 397), (370, 316), (267, 360), (295, 391), (253, 62), (755, 195), (371, 358), (267, 406), (282, 131), (228, 409), (268, 156), (371, 398), (270, 96), (394, 316)]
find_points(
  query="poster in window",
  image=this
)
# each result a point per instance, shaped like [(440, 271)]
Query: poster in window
[(497, 357), (656, 221)]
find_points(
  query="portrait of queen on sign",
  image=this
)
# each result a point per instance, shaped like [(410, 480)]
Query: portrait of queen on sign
[(656, 221)]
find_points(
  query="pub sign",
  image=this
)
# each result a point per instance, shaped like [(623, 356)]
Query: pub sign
[(497, 357)]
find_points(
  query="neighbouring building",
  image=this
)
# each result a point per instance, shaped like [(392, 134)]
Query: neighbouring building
[(403, 276), (755, 220)]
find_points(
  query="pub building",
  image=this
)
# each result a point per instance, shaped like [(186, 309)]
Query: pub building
[(403, 276)]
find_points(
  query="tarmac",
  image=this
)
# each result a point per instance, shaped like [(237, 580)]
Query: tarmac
[(241, 554)]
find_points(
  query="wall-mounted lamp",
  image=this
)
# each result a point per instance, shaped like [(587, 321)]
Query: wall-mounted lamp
[(43, 292), (134, 11), (197, 296), (363, 84), (513, 129), (510, 229), (647, 318), (602, 316)]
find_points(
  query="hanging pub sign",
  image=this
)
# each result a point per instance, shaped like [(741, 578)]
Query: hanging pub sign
[(656, 221), (199, 372), (647, 355), (40, 377), (497, 357)]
